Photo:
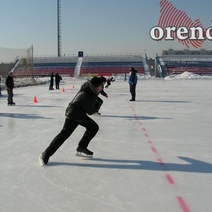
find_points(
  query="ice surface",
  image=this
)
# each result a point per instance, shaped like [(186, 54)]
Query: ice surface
[(152, 155)]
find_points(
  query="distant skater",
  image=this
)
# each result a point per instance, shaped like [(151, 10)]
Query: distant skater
[(10, 86), (58, 78), (132, 81), (85, 102), (109, 80), (51, 85), (103, 93)]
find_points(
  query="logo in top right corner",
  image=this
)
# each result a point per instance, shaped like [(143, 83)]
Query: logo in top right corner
[(175, 24)]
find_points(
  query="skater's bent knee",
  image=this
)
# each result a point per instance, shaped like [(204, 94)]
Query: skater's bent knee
[(96, 128)]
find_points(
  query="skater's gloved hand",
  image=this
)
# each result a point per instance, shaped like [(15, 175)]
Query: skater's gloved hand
[(98, 103)]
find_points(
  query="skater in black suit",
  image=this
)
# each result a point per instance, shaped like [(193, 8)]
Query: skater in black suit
[(109, 80), (10, 86), (103, 93), (58, 78), (51, 85), (85, 102)]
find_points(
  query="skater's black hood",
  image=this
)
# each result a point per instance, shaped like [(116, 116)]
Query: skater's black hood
[(89, 87), (85, 102)]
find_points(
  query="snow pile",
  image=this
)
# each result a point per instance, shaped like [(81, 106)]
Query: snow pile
[(23, 82), (186, 75)]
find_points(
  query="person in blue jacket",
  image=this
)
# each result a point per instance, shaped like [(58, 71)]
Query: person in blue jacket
[(132, 80)]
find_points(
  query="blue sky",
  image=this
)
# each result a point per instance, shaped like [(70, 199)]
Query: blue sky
[(93, 26)]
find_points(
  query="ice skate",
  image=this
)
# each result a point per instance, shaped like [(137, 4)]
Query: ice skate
[(11, 103), (84, 152), (97, 114), (43, 159)]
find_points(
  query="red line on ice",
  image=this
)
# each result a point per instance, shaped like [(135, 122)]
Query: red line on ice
[(169, 178), (183, 205)]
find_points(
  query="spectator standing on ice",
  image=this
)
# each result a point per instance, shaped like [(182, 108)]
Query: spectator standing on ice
[(10, 86), (85, 102), (57, 80), (51, 85), (132, 80), (0, 87)]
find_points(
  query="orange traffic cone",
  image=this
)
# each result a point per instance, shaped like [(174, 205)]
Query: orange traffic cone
[(63, 90), (35, 99)]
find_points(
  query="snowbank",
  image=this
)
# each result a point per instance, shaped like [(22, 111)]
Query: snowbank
[(186, 75)]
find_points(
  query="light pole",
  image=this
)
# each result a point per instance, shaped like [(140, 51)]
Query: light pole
[(58, 28)]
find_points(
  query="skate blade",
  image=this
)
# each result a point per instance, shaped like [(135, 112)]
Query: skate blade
[(41, 161), (83, 155), (97, 114)]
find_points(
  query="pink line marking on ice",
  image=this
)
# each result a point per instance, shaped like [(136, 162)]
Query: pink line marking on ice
[(149, 141), (160, 161), (169, 179), (183, 205), (146, 135), (153, 149)]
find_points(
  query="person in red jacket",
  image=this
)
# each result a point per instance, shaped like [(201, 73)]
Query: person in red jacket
[(85, 102)]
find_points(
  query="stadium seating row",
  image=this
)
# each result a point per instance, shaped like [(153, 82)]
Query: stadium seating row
[(96, 68)]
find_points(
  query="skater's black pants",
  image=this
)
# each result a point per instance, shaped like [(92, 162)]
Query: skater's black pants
[(132, 91), (10, 95), (57, 85), (100, 101), (51, 85), (68, 128)]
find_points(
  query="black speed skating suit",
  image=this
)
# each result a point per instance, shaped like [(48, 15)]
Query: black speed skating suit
[(85, 102)]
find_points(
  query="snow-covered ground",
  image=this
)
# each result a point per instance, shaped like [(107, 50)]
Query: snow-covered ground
[(152, 155)]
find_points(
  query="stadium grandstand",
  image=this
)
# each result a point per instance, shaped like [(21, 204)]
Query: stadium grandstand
[(109, 65), (88, 65), (106, 65), (44, 66), (23, 64), (198, 64), (177, 62)]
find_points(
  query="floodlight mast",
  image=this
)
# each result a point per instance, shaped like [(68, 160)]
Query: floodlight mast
[(58, 28)]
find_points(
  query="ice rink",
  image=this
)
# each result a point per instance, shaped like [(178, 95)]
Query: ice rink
[(152, 155)]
